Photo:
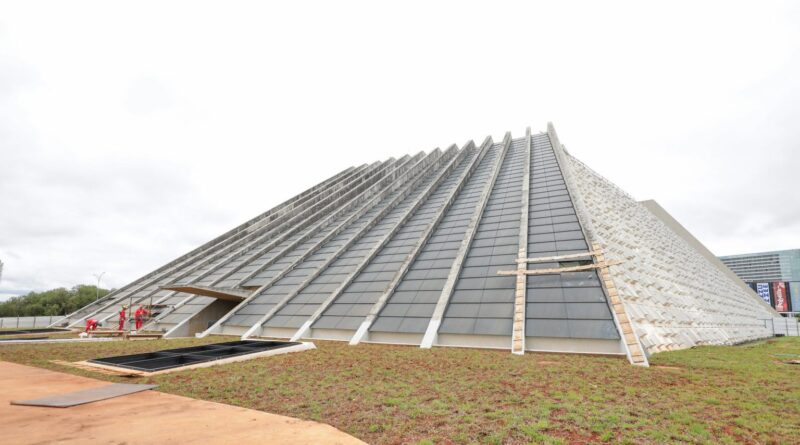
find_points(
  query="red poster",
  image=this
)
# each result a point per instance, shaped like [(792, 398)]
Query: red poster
[(779, 291)]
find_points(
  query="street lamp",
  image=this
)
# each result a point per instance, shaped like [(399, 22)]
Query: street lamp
[(97, 287)]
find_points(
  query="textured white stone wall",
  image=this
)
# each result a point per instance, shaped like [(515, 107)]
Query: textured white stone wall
[(673, 295)]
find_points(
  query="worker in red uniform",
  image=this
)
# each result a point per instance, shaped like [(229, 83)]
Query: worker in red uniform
[(122, 318), (139, 316), (91, 325)]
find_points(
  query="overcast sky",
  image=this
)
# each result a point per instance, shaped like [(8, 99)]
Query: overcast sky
[(131, 133)]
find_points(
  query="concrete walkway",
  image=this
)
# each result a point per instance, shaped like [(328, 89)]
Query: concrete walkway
[(148, 417)]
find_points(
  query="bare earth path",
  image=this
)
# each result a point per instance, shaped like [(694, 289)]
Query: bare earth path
[(142, 418)]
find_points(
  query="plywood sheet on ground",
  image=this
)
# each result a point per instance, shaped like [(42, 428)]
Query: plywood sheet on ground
[(84, 396)]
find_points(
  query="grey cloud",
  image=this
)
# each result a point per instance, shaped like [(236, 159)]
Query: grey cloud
[(15, 76), (148, 95), (63, 219), (196, 143)]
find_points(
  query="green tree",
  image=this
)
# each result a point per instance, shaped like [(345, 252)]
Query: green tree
[(59, 301)]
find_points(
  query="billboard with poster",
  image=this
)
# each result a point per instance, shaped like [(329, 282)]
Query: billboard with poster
[(763, 292), (780, 297)]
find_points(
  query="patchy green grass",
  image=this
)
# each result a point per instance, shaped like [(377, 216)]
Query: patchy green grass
[(395, 394)]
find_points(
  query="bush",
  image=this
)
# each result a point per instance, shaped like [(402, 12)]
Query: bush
[(58, 301)]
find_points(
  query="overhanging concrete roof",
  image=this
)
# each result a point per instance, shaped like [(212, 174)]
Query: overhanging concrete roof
[(218, 293)]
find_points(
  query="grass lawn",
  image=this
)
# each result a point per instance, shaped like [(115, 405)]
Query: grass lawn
[(397, 394)]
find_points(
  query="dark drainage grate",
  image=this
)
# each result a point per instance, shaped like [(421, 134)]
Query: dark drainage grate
[(194, 349), (124, 359), (175, 358), (24, 339), (33, 331)]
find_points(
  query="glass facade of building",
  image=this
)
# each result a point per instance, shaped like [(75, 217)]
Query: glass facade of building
[(781, 265)]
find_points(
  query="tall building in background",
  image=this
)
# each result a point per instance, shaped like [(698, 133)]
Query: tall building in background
[(780, 265), (1, 271), (511, 244), (775, 276)]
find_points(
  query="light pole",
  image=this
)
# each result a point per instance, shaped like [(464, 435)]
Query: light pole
[(97, 287)]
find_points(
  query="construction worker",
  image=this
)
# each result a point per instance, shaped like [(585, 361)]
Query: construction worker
[(91, 325), (139, 316), (122, 319)]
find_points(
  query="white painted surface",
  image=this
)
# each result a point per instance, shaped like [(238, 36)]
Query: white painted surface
[(674, 296)]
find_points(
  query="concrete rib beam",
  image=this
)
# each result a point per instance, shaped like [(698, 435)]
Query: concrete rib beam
[(436, 319), (236, 232), (408, 183), (365, 195), (594, 240), (244, 232), (380, 245), (294, 223), (382, 191), (331, 209), (520, 294), (274, 226), (363, 329)]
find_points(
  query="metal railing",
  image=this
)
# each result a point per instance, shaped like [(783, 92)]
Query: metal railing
[(28, 322), (786, 325)]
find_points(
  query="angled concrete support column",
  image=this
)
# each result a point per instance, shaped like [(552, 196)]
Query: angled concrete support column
[(296, 221), (520, 297), (432, 331), (580, 208), (630, 341), (381, 191), (254, 232), (169, 267), (363, 329), (407, 186), (386, 179), (311, 224), (350, 199), (381, 244), (381, 188)]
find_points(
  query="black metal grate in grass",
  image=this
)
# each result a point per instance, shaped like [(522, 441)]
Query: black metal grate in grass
[(175, 358), (33, 331)]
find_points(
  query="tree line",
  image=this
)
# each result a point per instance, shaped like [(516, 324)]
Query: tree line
[(60, 301)]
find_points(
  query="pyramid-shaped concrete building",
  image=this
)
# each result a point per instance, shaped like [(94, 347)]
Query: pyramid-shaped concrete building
[(512, 244)]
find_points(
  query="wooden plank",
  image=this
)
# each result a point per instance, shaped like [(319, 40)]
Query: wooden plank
[(550, 259), (558, 270), (208, 291)]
